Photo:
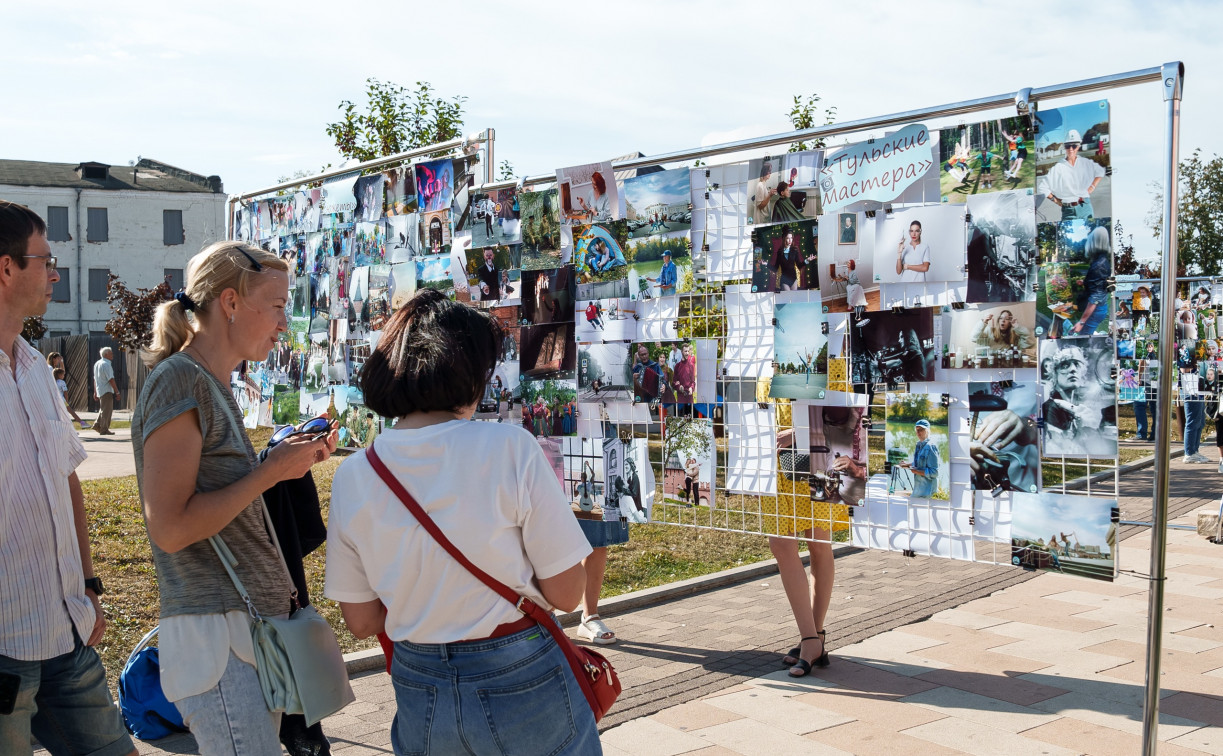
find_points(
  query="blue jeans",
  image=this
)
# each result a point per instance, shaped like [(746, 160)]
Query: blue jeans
[(64, 702), (1195, 418), (232, 719), (1140, 415), (501, 697)]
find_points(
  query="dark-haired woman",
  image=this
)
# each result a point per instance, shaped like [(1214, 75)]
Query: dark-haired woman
[(468, 677)]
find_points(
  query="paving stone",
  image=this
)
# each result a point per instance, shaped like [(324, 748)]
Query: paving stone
[(996, 686), (749, 738), (649, 737), (867, 740), (884, 712), (694, 715), (779, 711), (1096, 740), (1208, 739), (984, 710), (1109, 713), (982, 740), (1208, 709)]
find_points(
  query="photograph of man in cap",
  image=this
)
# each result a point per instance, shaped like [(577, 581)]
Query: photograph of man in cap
[(1071, 181), (925, 462)]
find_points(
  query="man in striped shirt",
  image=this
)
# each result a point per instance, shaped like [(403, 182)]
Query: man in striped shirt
[(52, 684)]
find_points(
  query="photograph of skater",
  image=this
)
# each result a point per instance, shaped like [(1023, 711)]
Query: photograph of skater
[(1073, 535)]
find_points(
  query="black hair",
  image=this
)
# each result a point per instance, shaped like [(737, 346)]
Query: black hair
[(17, 224), (434, 355)]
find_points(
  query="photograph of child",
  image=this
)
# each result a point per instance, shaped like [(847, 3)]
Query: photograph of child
[(605, 373), (1073, 162), (990, 336), (658, 203), (1002, 252), (605, 320), (1003, 443), (549, 407), (492, 274), (688, 452), (1079, 410), (785, 257), (800, 352), (969, 156), (1076, 264), (1073, 535), (435, 184), (893, 348), (548, 351), (921, 245), (917, 446), (548, 295), (847, 281), (492, 218), (539, 222), (588, 194)]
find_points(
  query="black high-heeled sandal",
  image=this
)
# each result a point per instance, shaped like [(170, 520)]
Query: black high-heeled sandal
[(820, 661)]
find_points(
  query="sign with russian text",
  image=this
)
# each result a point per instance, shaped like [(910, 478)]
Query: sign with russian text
[(877, 169)]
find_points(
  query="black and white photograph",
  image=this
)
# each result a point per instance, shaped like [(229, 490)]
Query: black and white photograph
[(893, 347), (403, 238), (1003, 442), (1003, 258), (630, 479), (1073, 535), (1079, 408), (605, 373)]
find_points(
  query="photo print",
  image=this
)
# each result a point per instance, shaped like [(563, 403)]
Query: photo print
[(548, 296), (847, 281), (598, 253), (605, 373), (502, 387), (585, 479), (337, 351), (918, 452), (401, 284), (986, 157), (438, 232), (1073, 535), (339, 195), (338, 239), (369, 244), (588, 194), (400, 190), (784, 188), (604, 320), (1079, 409), (435, 185), (379, 296), (549, 407), (658, 203), (1076, 263), (921, 245), (369, 197), (663, 371), (548, 351), (403, 238), (785, 256), (826, 452), (659, 267), (990, 336), (689, 454), (1003, 443), (492, 218), (630, 479), (433, 272), (1073, 163), (358, 300), (893, 348), (800, 351), (1002, 252), (539, 221), (493, 274)]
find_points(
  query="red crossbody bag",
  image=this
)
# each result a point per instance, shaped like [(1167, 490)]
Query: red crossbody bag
[(594, 673)]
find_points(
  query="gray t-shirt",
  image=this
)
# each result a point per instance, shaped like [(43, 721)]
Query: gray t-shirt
[(193, 581)]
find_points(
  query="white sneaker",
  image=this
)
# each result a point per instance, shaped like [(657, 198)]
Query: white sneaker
[(1221, 466), (1201, 459)]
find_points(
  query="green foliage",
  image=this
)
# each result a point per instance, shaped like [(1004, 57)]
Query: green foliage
[(507, 171), (652, 249), (1199, 228), (702, 315), (131, 321), (396, 119), (686, 437), (33, 329), (1123, 252), (554, 392), (803, 115), (909, 408)]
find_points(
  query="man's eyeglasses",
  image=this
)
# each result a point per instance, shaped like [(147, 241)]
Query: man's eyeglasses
[(254, 262), (52, 260)]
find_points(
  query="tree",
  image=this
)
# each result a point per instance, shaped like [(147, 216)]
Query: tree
[(1199, 228), (686, 437), (803, 115), (396, 119), (507, 171), (1123, 255), (33, 329), (131, 324)]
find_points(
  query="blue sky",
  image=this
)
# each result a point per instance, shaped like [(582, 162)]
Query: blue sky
[(797, 330), (665, 186), (244, 90), (1041, 515)]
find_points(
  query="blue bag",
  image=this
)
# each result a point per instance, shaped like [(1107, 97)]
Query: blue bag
[(146, 712)]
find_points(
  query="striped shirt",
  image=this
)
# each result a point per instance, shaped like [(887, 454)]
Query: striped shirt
[(44, 586)]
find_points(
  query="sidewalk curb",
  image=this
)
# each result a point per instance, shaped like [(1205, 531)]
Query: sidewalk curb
[(371, 659)]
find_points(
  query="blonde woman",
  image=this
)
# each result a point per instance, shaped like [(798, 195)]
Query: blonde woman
[(199, 477)]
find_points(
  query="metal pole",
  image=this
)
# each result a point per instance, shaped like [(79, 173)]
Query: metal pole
[(1173, 78)]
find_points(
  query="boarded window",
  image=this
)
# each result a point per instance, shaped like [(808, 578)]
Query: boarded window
[(99, 226), (98, 278), (62, 290), (173, 277), (57, 224), (172, 227)]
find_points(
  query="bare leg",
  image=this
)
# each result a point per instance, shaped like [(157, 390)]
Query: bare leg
[(823, 569), (796, 585), (596, 566)]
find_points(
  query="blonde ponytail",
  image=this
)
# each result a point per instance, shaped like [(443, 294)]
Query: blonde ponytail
[(171, 332)]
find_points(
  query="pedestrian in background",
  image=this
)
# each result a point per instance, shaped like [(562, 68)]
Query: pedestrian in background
[(105, 390)]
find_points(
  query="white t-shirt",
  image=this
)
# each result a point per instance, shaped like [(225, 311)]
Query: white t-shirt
[(492, 492), (762, 215), (915, 256), (1070, 182)]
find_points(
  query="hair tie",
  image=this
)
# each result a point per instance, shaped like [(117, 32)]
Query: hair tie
[(187, 302)]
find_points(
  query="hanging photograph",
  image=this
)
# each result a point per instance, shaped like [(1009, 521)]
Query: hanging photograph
[(688, 453), (401, 284), (492, 218), (1073, 163), (800, 351), (1079, 411), (1003, 443), (604, 320), (358, 300), (403, 238), (986, 157), (1076, 264), (893, 348), (599, 261), (369, 244), (549, 407), (630, 479), (650, 365), (921, 245), (585, 479), (1073, 535), (493, 274), (1002, 252), (339, 196), (438, 232), (540, 225), (548, 296), (369, 197), (825, 454), (658, 203), (784, 188), (379, 296), (435, 185), (785, 256), (433, 272), (847, 281), (605, 373), (990, 336), (659, 266), (588, 194), (548, 351), (400, 191), (918, 452)]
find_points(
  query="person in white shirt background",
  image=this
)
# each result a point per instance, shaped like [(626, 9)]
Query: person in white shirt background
[(913, 259), (1070, 182)]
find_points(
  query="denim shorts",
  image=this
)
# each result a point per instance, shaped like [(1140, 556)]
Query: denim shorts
[(603, 533), (514, 695), (65, 703)]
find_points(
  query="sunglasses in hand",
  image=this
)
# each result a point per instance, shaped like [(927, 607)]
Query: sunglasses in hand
[(317, 427)]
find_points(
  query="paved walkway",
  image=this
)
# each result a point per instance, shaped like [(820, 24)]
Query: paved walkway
[(932, 654), (109, 456)]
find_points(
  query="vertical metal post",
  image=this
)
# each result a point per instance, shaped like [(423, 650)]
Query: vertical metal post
[(490, 135), (1173, 78)]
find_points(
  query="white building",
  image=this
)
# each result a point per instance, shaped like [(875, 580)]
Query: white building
[(142, 223)]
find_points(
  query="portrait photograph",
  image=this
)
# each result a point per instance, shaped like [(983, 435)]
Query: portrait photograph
[(493, 274), (1079, 408), (990, 336), (785, 256), (921, 245), (847, 228), (369, 191), (1073, 163), (435, 184), (917, 446), (588, 194)]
